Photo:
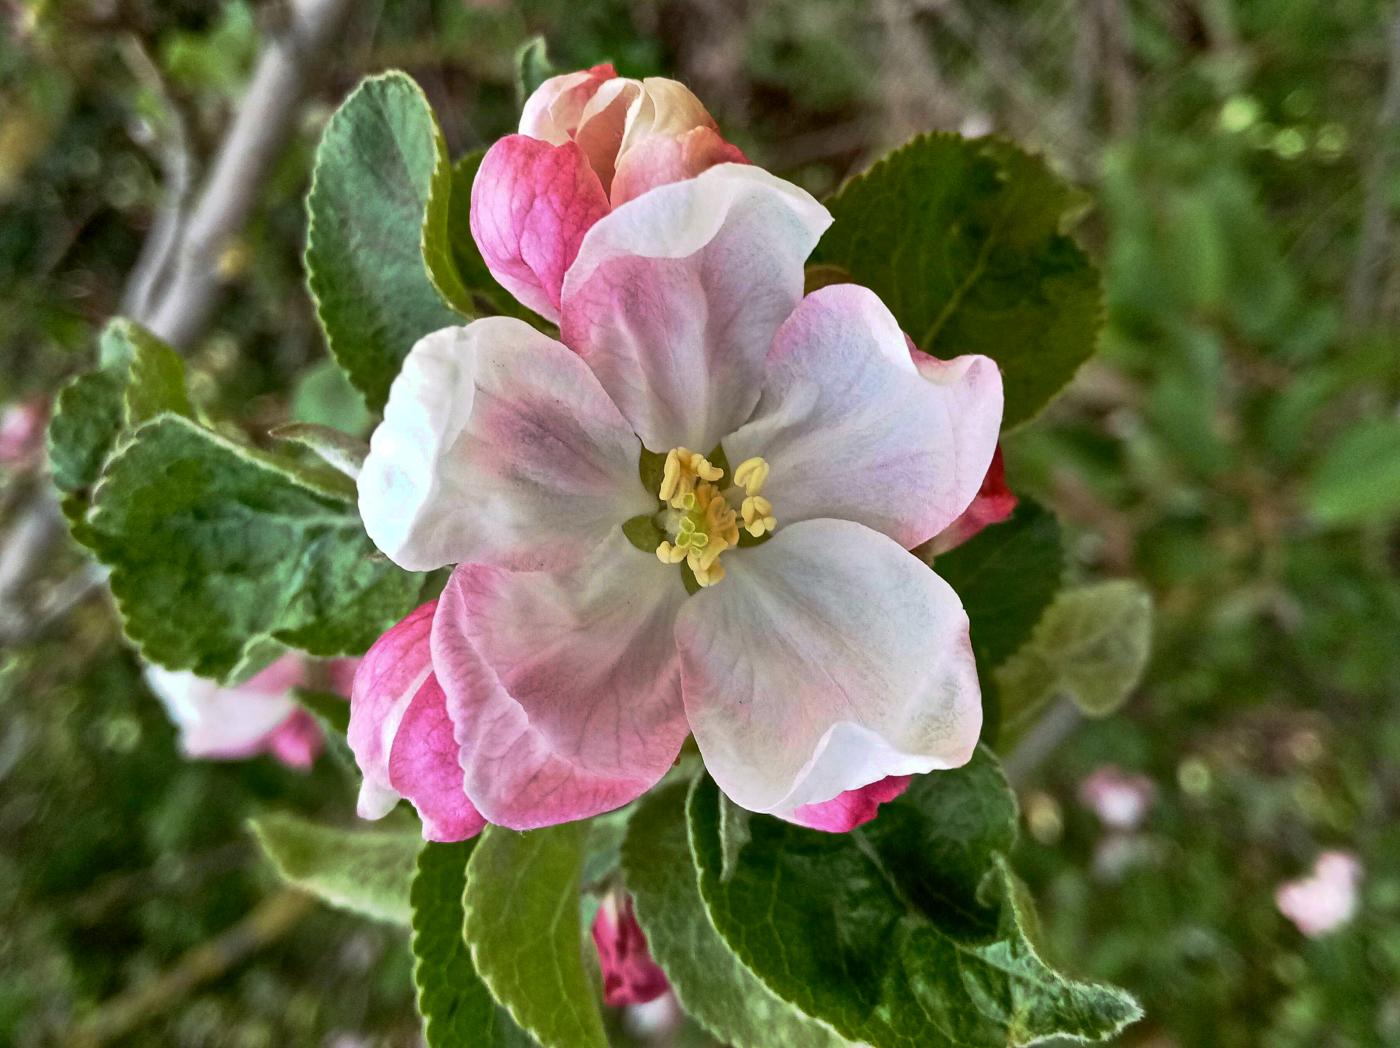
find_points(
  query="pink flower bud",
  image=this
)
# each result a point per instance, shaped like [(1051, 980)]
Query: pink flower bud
[(630, 976)]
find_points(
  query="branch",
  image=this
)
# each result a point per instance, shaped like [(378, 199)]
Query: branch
[(266, 117), (1363, 284), (273, 917)]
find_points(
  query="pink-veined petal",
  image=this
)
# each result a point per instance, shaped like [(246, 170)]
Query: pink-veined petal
[(853, 429), (401, 737), (564, 687), (853, 808), (658, 160), (497, 445), (553, 110), (675, 296), (423, 768), (532, 203), (827, 659)]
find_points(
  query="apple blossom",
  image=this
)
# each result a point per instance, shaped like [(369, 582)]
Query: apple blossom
[(775, 612), (22, 431), (588, 142), (243, 720), (1325, 899), (630, 976), (993, 503)]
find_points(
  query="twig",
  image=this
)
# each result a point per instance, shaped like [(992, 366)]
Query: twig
[(285, 71), (1366, 273), (273, 917)]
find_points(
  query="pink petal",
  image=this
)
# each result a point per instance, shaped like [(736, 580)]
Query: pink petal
[(232, 722), (992, 504), (675, 296), (564, 687), (853, 808), (390, 675), (827, 659), (497, 445), (423, 768), (532, 203), (401, 736), (602, 125), (554, 109), (659, 160), (853, 429), (630, 976), (297, 741)]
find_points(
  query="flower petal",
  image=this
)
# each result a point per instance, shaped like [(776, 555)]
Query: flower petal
[(853, 808), (554, 109), (992, 504), (675, 296), (423, 768), (401, 737), (387, 679), (658, 160), (532, 203), (853, 428), (564, 687), (497, 445), (227, 723), (826, 659)]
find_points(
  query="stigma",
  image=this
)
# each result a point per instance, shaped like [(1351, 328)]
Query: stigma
[(702, 518)]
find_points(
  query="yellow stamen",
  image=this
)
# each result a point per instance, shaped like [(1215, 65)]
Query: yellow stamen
[(751, 475), (702, 520), (682, 470)]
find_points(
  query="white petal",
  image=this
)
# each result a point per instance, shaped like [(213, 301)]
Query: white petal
[(852, 428), (497, 445), (675, 297), (827, 658)]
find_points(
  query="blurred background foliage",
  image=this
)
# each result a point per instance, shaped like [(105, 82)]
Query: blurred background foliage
[(1236, 445)]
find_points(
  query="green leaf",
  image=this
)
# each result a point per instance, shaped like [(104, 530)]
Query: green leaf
[(324, 397), (217, 551), (367, 871), (155, 374), (522, 922), (87, 418), (965, 241), (1357, 478), (381, 160), (1006, 575), (340, 451), (456, 1006), (905, 932), (332, 713), (711, 983), (1090, 647), (532, 67), (140, 377)]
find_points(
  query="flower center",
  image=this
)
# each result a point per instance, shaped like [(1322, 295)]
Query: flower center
[(703, 519)]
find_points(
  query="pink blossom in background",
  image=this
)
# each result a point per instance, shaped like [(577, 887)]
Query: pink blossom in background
[(1120, 799), (817, 667), (588, 142), (1325, 899), (22, 426), (630, 976), (231, 722)]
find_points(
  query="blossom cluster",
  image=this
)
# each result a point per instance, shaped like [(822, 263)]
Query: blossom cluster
[(690, 516)]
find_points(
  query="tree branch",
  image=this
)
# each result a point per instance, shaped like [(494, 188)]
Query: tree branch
[(1366, 273), (266, 117)]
